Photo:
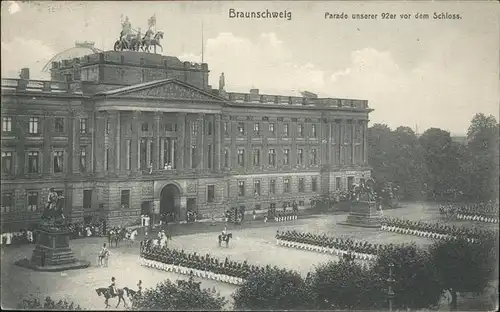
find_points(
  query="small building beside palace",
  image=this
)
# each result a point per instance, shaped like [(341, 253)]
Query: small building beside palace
[(125, 133)]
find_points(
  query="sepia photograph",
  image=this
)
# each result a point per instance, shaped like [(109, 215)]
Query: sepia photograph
[(250, 155)]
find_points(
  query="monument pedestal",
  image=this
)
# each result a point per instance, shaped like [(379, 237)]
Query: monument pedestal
[(363, 213), (52, 253)]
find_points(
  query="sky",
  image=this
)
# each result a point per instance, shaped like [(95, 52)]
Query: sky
[(416, 73)]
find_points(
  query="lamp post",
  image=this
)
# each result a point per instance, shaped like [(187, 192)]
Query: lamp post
[(390, 281)]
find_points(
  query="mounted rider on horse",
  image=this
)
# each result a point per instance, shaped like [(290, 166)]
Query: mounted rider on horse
[(53, 211)]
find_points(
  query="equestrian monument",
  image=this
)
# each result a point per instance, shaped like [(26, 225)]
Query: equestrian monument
[(52, 252), (364, 212)]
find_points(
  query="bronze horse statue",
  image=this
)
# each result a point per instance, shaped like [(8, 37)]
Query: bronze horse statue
[(226, 238), (54, 215)]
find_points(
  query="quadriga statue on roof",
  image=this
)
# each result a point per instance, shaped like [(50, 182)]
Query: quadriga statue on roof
[(131, 40)]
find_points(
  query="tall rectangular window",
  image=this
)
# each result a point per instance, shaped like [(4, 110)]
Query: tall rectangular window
[(301, 185), (210, 193), (256, 187), (272, 157), (300, 130), (241, 157), (241, 188), (209, 165), (338, 183), (34, 125), (108, 126), (314, 156), (129, 154), (143, 154), (193, 156), (209, 128), (286, 185), (272, 186), (256, 157), (286, 131), (125, 199), (6, 124), (83, 160), (286, 156), (145, 127), (33, 162), (87, 199), (7, 162), (225, 127), (58, 161), (7, 202), (271, 128), (83, 125), (59, 125), (241, 128), (226, 158), (314, 184), (313, 131), (32, 201), (194, 128), (300, 156), (256, 128)]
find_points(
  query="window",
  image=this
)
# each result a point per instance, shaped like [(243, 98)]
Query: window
[(300, 130), (34, 125), (225, 128), (241, 157), (338, 183), (256, 187), (6, 124), (301, 185), (58, 161), (83, 125), (272, 157), (7, 162), (144, 126), (256, 157), (286, 185), (129, 154), (285, 130), (108, 126), (194, 129), (210, 193), (125, 199), (314, 155), (226, 158), (83, 160), (209, 165), (300, 156), (241, 188), (272, 186), (33, 162), (256, 128), (7, 202), (170, 126), (313, 131), (241, 128), (59, 125), (314, 184), (193, 156), (286, 156), (271, 128), (32, 201), (87, 199), (209, 128)]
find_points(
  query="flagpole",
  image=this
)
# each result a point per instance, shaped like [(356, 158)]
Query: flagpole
[(202, 43)]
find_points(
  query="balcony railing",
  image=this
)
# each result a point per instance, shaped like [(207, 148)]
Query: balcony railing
[(35, 85)]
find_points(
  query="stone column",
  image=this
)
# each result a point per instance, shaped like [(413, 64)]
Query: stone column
[(75, 146), (233, 153), (218, 137), (99, 150), (162, 153), (365, 140), (331, 139), (118, 142), (148, 152), (200, 150), (157, 160), (182, 207), (48, 153), (248, 148), (135, 142), (181, 129), (342, 142), (187, 143), (172, 152), (353, 141)]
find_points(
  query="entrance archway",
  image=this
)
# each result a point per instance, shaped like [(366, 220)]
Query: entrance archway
[(170, 197)]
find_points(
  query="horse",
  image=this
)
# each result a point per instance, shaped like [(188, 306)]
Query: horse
[(130, 238), (226, 238), (146, 42), (116, 236), (106, 292)]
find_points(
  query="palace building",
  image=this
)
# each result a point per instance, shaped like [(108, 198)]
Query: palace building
[(120, 133)]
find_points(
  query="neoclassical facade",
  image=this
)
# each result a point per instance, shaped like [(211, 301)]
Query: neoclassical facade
[(127, 132)]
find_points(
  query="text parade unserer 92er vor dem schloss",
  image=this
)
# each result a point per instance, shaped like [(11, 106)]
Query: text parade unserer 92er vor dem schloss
[(393, 16)]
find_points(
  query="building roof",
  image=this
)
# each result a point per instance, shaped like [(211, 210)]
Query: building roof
[(79, 50)]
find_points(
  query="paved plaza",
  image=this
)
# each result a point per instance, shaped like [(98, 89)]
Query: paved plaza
[(255, 244)]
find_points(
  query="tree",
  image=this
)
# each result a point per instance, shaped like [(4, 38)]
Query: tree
[(49, 304), (273, 290), (347, 285), (416, 283), (463, 266), (185, 295), (379, 151)]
